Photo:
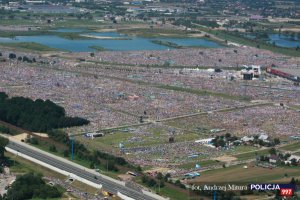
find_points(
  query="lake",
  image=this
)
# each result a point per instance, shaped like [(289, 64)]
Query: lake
[(280, 40), (108, 40), (284, 41)]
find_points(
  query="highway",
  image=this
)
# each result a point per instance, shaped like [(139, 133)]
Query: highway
[(107, 185)]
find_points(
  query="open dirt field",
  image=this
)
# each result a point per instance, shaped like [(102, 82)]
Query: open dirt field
[(225, 158)]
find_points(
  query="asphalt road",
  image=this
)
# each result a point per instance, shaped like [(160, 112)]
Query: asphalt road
[(107, 185)]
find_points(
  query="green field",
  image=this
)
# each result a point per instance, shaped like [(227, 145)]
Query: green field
[(111, 141), (169, 191), (29, 46), (251, 174), (242, 149), (154, 32), (251, 155), (166, 43), (291, 147), (98, 48), (203, 163), (21, 165)]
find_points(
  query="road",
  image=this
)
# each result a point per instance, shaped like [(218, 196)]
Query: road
[(107, 185)]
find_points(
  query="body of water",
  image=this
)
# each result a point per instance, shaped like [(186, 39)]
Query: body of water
[(284, 41), (126, 43), (280, 40)]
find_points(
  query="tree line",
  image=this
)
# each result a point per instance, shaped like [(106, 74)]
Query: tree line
[(94, 157), (38, 115)]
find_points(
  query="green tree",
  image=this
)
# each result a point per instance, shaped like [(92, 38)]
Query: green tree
[(159, 176), (30, 186), (3, 143), (152, 183), (276, 141), (272, 151), (52, 148), (66, 153)]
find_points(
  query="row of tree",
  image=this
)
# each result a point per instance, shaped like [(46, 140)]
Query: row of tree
[(96, 158), (38, 115)]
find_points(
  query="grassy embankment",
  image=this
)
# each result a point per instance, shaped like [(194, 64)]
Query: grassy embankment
[(251, 174), (168, 44), (291, 147), (98, 48), (261, 44), (29, 46)]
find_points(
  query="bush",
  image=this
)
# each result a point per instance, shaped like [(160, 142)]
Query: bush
[(111, 166), (4, 130), (12, 56), (52, 148), (33, 141), (66, 153)]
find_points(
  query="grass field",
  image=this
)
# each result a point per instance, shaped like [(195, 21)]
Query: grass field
[(172, 193), (203, 163), (251, 155), (169, 191), (111, 141), (98, 48), (21, 166), (12, 34), (242, 149), (29, 46), (291, 147), (152, 33), (17, 22), (252, 174)]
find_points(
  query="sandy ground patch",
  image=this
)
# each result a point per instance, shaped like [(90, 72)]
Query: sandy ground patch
[(289, 29), (106, 30), (44, 135), (196, 35), (225, 158), (125, 177), (158, 169), (20, 137), (282, 20)]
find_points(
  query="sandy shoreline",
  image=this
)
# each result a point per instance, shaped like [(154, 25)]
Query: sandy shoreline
[(104, 37)]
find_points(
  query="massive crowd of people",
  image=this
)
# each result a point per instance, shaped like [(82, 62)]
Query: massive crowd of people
[(113, 95), (219, 57), (275, 121)]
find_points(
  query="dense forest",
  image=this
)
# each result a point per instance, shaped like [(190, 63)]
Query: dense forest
[(31, 186), (38, 115)]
